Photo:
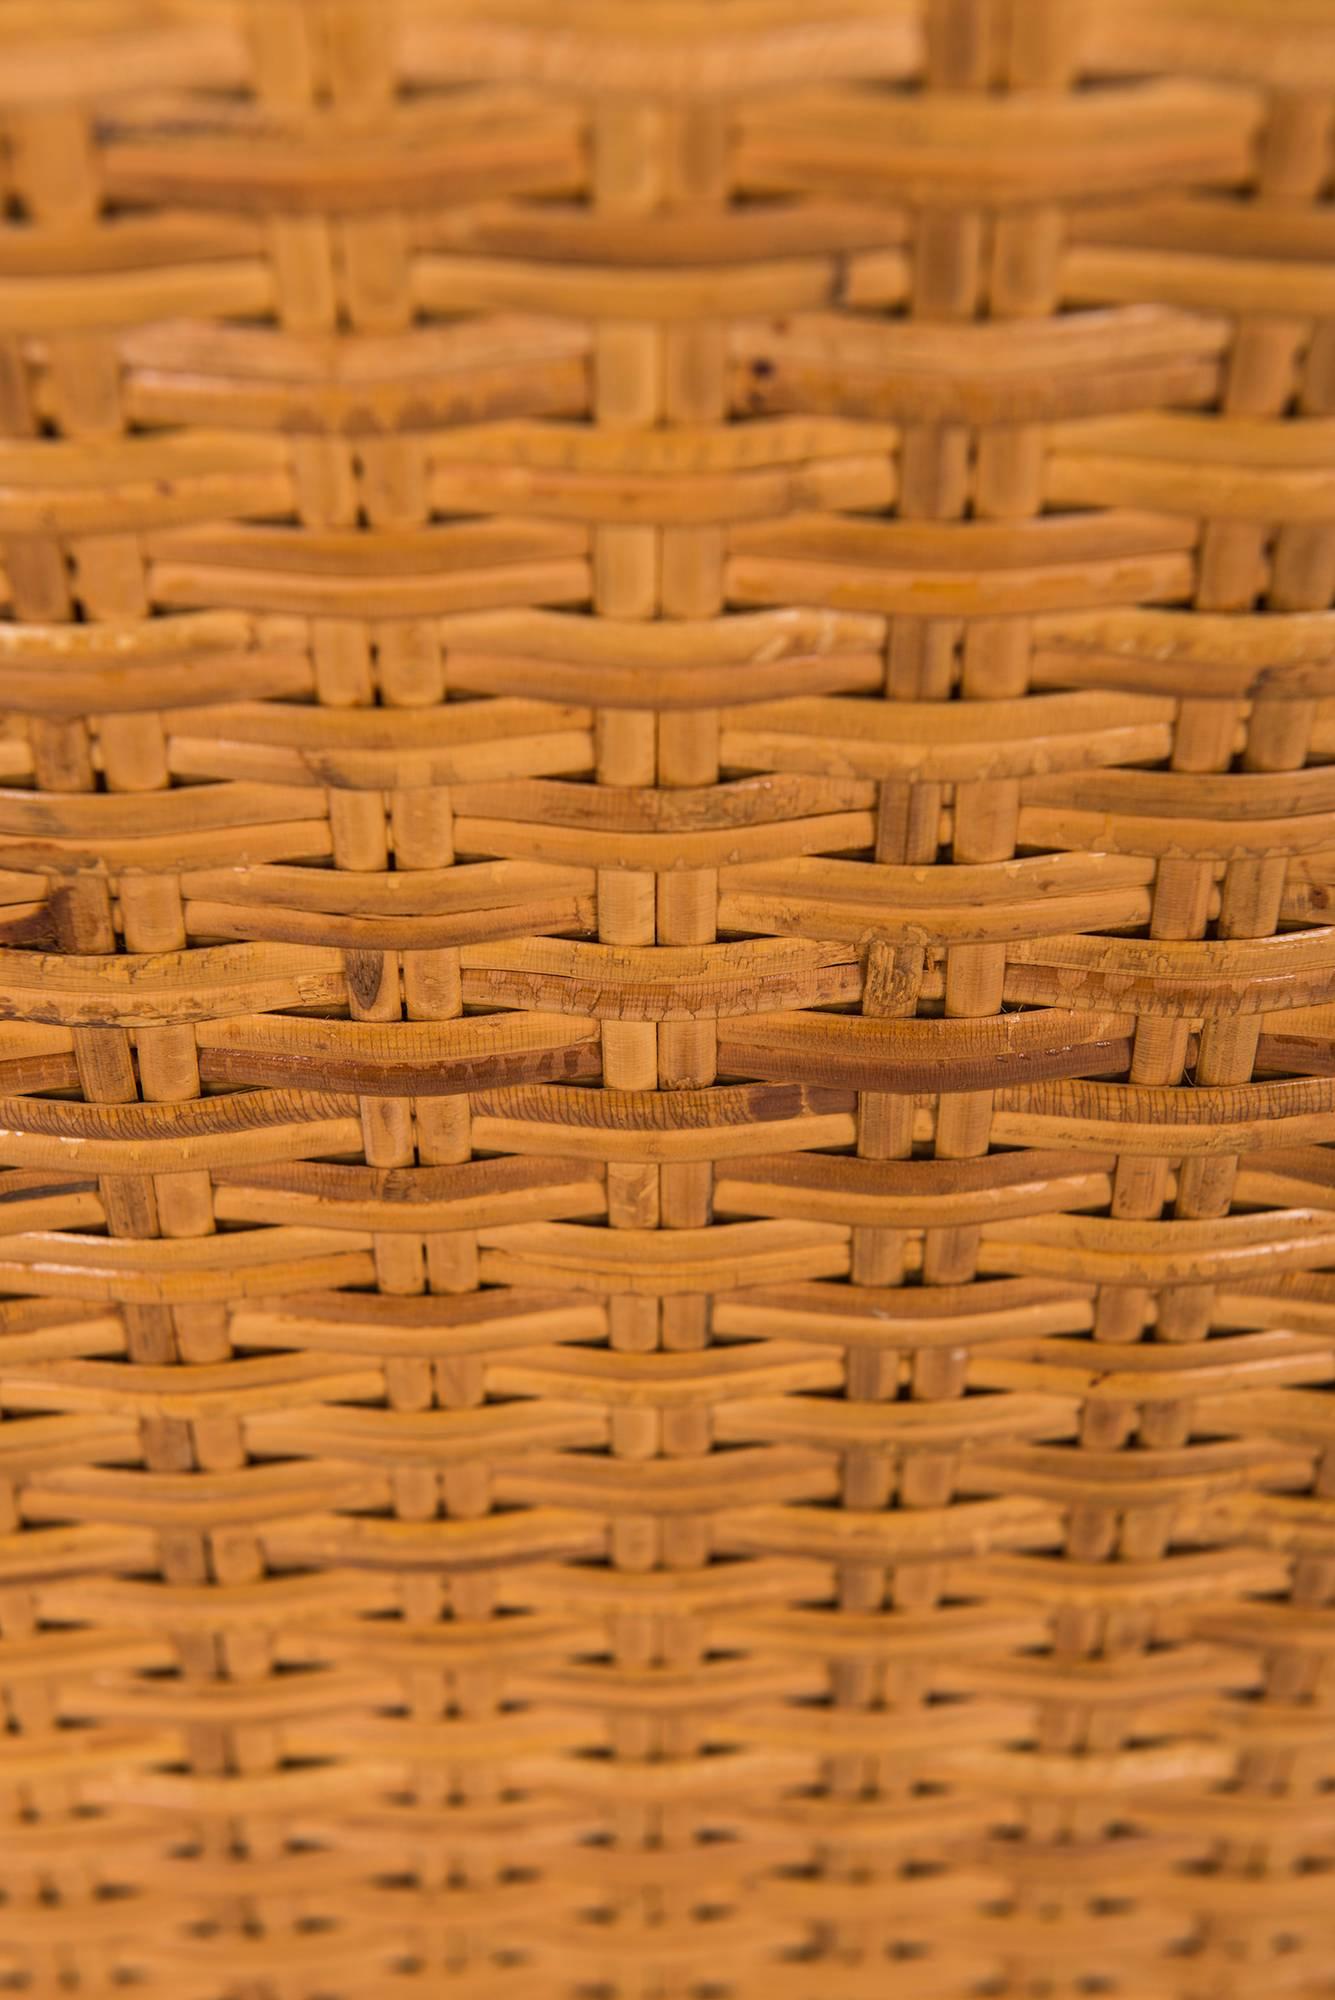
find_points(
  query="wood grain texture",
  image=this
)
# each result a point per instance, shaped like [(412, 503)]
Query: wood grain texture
[(667, 999)]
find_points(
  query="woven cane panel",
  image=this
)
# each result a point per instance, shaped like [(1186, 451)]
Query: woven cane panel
[(667, 1309)]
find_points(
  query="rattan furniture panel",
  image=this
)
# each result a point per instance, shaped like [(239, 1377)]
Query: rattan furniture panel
[(667, 827)]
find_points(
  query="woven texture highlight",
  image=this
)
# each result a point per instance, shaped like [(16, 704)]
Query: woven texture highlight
[(667, 1297)]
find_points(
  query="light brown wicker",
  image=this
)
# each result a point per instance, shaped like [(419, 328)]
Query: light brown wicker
[(668, 1285)]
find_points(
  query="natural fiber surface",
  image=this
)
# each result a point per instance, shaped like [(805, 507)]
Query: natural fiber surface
[(667, 1309)]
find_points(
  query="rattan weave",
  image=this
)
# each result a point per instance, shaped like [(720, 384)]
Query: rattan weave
[(667, 1311)]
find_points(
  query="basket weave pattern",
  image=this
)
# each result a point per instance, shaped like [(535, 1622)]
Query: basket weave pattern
[(668, 1291)]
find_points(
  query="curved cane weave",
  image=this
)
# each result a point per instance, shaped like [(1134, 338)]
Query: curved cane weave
[(668, 1294)]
